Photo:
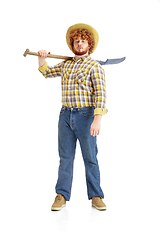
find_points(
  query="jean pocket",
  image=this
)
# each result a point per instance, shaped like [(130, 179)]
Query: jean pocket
[(87, 111), (63, 109)]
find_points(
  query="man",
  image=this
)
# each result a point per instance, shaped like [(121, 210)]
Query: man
[(83, 104)]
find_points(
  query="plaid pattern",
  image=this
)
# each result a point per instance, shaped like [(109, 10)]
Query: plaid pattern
[(83, 82)]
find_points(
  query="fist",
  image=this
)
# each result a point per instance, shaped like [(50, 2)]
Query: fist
[(43, 54)]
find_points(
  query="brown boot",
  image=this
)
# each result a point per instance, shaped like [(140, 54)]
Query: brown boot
[(59, 203), (98, 203)]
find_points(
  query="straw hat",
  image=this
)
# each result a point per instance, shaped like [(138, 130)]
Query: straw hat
[(82, 26)]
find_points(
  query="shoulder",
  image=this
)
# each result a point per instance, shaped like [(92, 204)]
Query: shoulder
[(66, 63), (96, 65), (90, 63)]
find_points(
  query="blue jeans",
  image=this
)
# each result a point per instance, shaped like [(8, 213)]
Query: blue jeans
[(74, 123)]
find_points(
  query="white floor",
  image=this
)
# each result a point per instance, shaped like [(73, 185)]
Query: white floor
[(132, 199)]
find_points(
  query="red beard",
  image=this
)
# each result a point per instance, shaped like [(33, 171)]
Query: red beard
[(79, 52)]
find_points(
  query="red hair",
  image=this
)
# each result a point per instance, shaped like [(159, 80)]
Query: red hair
[(84, 34)]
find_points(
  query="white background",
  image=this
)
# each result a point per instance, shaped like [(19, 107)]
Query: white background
[(129, 152)]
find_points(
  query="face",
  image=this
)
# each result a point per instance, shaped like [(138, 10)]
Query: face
[(80, 46)]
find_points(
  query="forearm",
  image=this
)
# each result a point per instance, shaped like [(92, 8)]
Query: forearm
[(99, 86), (97, 117), (41, 62)]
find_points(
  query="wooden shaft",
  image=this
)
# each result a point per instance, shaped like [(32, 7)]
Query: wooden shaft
[(48, 55)]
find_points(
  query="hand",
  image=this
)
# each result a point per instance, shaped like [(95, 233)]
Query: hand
[(96, 125), (42, 57), (43, 54)]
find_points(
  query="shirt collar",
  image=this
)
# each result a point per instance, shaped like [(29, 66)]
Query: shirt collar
[(83, 58)]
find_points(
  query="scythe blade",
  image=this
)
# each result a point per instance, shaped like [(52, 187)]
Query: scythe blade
[(112, 61)]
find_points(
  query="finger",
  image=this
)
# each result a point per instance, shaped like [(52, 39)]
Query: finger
[(41, 53), (94, 133), (45, 54)]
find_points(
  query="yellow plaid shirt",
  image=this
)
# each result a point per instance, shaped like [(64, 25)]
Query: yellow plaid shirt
[(83, 83)]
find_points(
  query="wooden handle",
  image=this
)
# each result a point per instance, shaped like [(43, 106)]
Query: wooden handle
[(48, 55)]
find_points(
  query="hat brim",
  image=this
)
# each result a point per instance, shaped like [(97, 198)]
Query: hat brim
[(82, 26)]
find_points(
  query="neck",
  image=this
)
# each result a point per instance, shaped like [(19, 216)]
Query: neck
[(77, 57)]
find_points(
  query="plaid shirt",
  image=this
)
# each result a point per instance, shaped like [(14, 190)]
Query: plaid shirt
[(83, 83)]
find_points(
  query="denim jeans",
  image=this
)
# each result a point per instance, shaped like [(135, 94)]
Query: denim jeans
[(74, 123)]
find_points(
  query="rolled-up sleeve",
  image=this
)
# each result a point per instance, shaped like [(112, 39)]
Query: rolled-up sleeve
[(99, 85), (49, 72)]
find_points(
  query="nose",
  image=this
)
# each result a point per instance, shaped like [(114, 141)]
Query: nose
[(79, 43)]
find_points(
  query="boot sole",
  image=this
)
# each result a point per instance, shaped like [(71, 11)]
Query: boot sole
[(57, 209), (99, 208)]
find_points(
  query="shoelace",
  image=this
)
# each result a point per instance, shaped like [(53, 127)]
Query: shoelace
[(98, 197), (58, 197)]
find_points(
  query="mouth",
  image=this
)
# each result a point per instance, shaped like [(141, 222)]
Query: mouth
[(80, 50)]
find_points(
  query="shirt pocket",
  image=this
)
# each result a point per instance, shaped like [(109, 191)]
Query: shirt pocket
[(80, 76), (84, 81)]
